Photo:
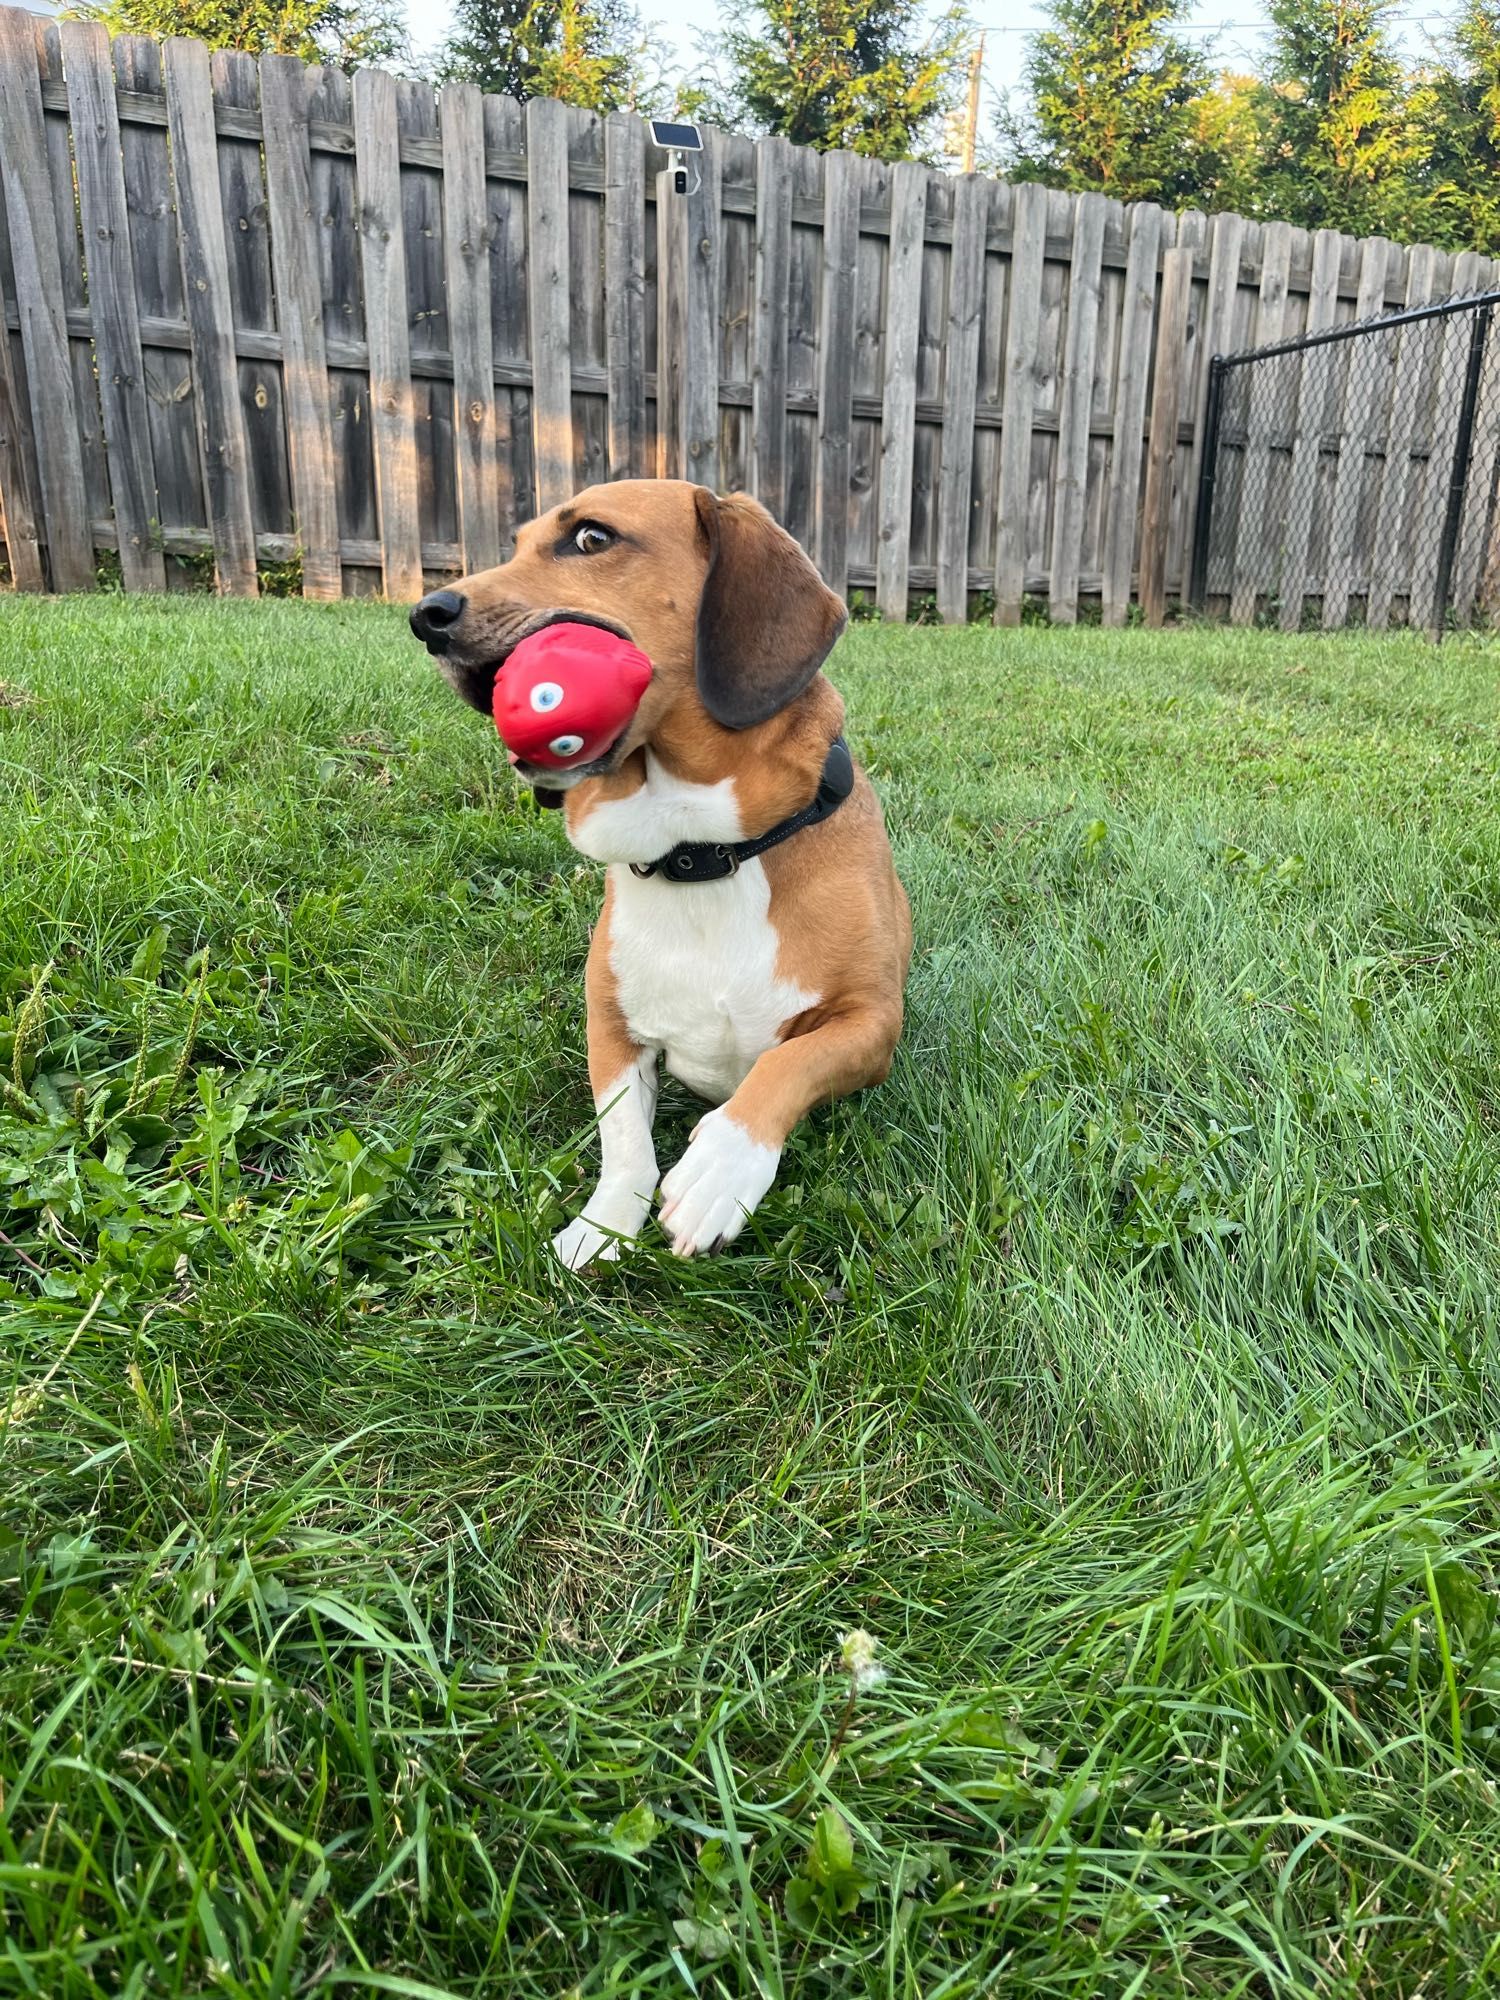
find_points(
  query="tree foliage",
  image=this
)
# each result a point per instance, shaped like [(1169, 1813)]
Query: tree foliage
[(1228, 143), (587, 52), (351, 33), (1335, 127), (873, 76), (1455, 117), (1114, 96), (1337, 146)]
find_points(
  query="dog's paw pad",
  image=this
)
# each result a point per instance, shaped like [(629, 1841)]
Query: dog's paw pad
[(716, 1186)]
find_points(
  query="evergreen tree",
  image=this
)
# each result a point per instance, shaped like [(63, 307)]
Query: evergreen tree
[(873, 76), (587, 52), (1456, 122), (1228, 160), (1114, 103), (1339, 145), (350, 33)]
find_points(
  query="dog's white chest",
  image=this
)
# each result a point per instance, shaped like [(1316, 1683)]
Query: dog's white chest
[(694, 966), (695, 974)]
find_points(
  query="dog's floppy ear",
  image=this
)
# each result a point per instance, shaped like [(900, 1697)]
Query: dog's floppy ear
[(767, 621)]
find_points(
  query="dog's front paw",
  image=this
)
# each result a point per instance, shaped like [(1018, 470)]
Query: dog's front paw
[(604, 1229), (716, 1186), (583, 1243)]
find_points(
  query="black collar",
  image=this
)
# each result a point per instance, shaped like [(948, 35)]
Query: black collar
[(712, 860)]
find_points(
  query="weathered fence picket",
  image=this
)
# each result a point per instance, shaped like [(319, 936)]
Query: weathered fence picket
[(467, 298), (304, 367), (1027, 255), (1171, 353), (836, 366), (898, 410), (112, 299), (1071, 482), (40, 306), (960, 393), (547, 298), (624, 292), (211, 334), (1150, 228)]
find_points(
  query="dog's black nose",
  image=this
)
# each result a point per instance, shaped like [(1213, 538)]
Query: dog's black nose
[(434, 618)]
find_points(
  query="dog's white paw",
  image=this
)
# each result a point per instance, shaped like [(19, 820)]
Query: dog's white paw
[(716, 1186), (600, 1234), (582, 1243)]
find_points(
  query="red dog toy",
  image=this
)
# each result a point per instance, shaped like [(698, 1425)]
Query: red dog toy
[(566, 694)]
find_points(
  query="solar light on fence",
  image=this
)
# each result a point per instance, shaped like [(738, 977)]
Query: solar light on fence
[(677, 138)]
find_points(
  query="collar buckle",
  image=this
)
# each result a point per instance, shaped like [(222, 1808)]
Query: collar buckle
[(702, 861)]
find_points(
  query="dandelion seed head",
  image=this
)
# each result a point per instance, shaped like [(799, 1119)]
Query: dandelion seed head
[(857, 1657)]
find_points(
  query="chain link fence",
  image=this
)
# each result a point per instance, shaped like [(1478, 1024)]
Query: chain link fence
[(1353, 477)]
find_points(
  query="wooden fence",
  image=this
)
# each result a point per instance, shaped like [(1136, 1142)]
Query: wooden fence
[(261, 314)]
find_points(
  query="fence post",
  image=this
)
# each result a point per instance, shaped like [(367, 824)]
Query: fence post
[(1203, 510), (671, 305), (1458, 479)]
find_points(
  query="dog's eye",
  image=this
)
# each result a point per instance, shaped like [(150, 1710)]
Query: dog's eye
[(589, 539)]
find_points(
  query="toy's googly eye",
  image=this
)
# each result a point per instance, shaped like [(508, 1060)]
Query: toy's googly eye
[(565, 746), (546, 696)]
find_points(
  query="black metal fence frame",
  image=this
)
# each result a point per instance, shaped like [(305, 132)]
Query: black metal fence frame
[(1481, 304)]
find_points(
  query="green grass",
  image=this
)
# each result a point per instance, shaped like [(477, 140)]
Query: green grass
[(383, 1611)]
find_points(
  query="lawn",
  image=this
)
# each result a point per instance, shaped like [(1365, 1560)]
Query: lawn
[(383, 1610)]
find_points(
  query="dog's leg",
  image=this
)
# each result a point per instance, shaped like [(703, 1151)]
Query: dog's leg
[(623, 1076), (732, 1157), (621, 1201)]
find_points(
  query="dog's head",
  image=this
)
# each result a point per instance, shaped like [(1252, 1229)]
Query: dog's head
[(732, 615)]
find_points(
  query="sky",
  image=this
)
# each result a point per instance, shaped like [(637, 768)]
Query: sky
[(1235, 26)]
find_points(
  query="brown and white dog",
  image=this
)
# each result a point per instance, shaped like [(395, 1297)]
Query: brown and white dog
[(768, 991)]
